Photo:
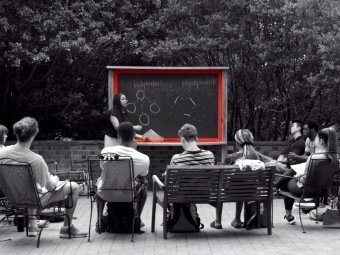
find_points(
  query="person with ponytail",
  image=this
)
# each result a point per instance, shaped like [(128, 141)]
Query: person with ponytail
[(245, 146), (326, 143)]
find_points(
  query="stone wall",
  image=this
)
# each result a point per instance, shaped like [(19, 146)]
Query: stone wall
[(71, 156)]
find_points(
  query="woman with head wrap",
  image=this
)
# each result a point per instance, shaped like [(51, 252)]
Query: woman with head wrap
[(244, 144)]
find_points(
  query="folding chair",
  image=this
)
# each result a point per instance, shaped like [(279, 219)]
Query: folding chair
[(319, 179), (19, 186), (118, 182)]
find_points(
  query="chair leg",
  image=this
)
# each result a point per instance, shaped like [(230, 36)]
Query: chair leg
[(316, 210), (89, 239), (153, 215), (165, 225), (133, 222), (269, 217), (69, 225), (303, 229)]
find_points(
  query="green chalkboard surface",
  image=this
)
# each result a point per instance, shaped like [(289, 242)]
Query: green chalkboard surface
[(165, 102)]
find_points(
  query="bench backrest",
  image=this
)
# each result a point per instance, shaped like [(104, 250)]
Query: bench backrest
[(211, 184), (247, 185)]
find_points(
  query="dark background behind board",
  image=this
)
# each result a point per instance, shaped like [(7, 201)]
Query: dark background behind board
[(182, 98)]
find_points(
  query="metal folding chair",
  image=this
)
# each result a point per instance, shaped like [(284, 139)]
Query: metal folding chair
[(118, 182), (319, 179), (19, 186)]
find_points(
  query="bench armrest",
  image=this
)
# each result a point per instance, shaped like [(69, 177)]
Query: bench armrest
[(158, 182)]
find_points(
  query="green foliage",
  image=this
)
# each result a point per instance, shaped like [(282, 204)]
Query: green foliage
[(283, 57)]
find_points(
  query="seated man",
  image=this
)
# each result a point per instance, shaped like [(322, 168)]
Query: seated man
[(25, 131), (297, 146), (192, 155), (141, 163), (310, 131)]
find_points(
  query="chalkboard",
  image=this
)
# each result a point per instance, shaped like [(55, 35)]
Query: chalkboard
[(164, 102)]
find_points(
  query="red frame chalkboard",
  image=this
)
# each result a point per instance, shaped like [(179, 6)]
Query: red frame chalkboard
[(219, 137)]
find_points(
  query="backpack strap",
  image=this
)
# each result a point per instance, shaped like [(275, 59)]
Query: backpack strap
[(171, 222), (187, 213)]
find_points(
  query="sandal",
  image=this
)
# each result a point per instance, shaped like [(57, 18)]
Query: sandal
[(236, 224), (100, 228), (214, 225)]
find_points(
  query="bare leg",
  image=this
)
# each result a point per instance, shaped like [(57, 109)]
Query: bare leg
[(75, 195), (32, 220), (236, 223), (140, 205), (100, 209), (288, 212)]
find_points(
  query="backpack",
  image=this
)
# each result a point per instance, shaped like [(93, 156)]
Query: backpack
[(183, 218), (119, 218), (250, 215)]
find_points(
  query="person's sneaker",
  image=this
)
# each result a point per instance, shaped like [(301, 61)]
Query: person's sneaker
[(32, 230), (74, 232), (291, 219)]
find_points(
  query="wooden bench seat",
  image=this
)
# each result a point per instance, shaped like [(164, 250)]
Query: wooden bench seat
[(212, 185)]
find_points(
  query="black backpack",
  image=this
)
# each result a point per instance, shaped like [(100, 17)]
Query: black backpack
[(119, 218), (250, 215), (183, 218)]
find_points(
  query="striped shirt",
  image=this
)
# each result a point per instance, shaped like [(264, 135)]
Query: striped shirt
[(192, 158)]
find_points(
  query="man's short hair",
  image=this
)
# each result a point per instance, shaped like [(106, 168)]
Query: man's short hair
[(25, 129), (189, 132), (312, 124), (299, 123), (125, 131)]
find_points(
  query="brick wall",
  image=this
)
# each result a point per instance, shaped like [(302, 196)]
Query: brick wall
[(72, 155)]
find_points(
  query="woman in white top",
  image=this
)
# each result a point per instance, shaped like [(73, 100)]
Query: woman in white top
[(3, 136)]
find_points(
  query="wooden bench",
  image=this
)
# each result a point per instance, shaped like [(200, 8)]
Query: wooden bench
[(213, 185)]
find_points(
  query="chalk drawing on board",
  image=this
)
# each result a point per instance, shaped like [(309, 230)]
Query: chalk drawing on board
[(143, 117), (187, 108)]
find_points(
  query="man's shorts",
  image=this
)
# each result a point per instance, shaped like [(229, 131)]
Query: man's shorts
[(55, 195)]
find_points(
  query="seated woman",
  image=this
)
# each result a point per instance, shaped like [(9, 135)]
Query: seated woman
[(326, 143), (244, 143)]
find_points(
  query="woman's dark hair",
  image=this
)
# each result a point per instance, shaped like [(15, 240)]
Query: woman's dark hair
[(328, 135), (25, 129), (3, 132), (117, 107)]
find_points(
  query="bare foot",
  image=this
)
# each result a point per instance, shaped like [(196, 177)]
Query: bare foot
[(236, 224)]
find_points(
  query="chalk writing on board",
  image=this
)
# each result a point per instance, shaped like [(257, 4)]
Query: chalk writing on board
[(144, 118), (187, 107), (143, 84), (197, 83)]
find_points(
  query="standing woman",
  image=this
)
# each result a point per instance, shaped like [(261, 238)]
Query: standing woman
[(3, 136), (118, 114)]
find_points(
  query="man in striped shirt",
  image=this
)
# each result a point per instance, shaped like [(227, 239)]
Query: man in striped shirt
[(192, 155)]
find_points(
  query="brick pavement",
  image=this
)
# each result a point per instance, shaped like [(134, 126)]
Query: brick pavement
[(285, 239)]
